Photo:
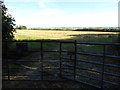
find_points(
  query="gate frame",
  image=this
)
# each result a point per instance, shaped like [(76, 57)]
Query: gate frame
[(75, 59)]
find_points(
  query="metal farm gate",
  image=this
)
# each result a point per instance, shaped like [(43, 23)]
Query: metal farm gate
[(69, 61)]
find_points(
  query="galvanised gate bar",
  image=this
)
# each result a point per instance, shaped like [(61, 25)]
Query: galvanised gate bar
[(99, 69)]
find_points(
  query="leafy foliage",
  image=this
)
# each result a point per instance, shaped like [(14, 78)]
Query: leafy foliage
[(7, 24), (7, 29)]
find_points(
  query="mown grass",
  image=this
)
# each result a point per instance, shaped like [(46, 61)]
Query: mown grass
[(55, 35), (80, 36)]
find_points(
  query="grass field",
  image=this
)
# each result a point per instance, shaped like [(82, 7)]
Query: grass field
[(80, 36), (57, 35)]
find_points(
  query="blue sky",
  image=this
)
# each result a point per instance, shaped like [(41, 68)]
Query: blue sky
[(64, 13)]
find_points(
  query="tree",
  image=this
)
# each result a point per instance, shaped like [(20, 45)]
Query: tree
[(7, 24), (7, 28)]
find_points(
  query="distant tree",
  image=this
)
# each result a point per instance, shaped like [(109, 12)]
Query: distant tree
[(21, 27), (16, 27)]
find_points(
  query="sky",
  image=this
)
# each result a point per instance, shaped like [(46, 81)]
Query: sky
[(64, 13)]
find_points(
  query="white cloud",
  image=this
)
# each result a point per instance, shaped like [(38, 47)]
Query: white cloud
[(50, 17), (42, 4), (49, 12)]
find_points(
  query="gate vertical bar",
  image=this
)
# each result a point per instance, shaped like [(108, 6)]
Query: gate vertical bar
[(60, 59), (75, 57), (103, 66), (7, 60), (42, 60)]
